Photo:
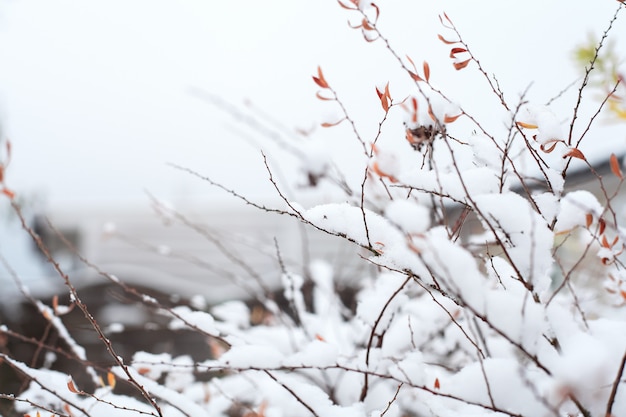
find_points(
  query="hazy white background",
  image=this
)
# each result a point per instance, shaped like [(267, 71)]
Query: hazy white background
[(95, 94)]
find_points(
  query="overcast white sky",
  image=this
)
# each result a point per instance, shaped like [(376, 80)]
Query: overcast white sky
[(95, 94)]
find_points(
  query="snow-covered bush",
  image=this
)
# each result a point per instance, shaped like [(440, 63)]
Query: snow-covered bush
[(498, 290)]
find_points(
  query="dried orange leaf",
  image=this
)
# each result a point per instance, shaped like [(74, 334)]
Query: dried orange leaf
[(450, 119), (8, 193), (601, 226), (444, 40), (588, 219), (320, 338), (575, 153), (1, 173), (437, 384), (71, 386), (327, 124), (526, 125), (426, 71), (605, 243), (111, 379), (461, 65), (615, 168)]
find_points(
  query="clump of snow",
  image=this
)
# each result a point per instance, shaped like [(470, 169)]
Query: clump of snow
[(575, 206), (187, 318), (409, 216)]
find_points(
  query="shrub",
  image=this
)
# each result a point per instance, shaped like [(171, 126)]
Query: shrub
[(497, 291)]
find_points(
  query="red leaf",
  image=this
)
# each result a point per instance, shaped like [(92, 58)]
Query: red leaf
[(320, 80), (426, 71), (455, 51), (437, 384), (575, 153), (461, 65), (615, 168), (601, 225), (444, 40)]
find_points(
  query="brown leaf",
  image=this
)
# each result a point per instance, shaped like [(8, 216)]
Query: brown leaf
[(450, 119), (327, 124), (1, 173), (366, 25), (615, 168), (588, 219), (601, 225), (447, 42), (426, 71), (412, 63), (437, 384), (575, 153), (461, 65), (549, 145), (320, 80), (321, 97), (347, 7), (605, 243), (455, 51), (71, 386), (415, 76)]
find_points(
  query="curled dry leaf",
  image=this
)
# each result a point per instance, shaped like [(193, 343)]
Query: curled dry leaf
[(426, 71), (455, 51), (447, 42), (588, 220), (451, 119), (353, 7), (71, 386), (328, 124), (461, 65), (437, 384), (615, 168), (575, 153), (526, 125)]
